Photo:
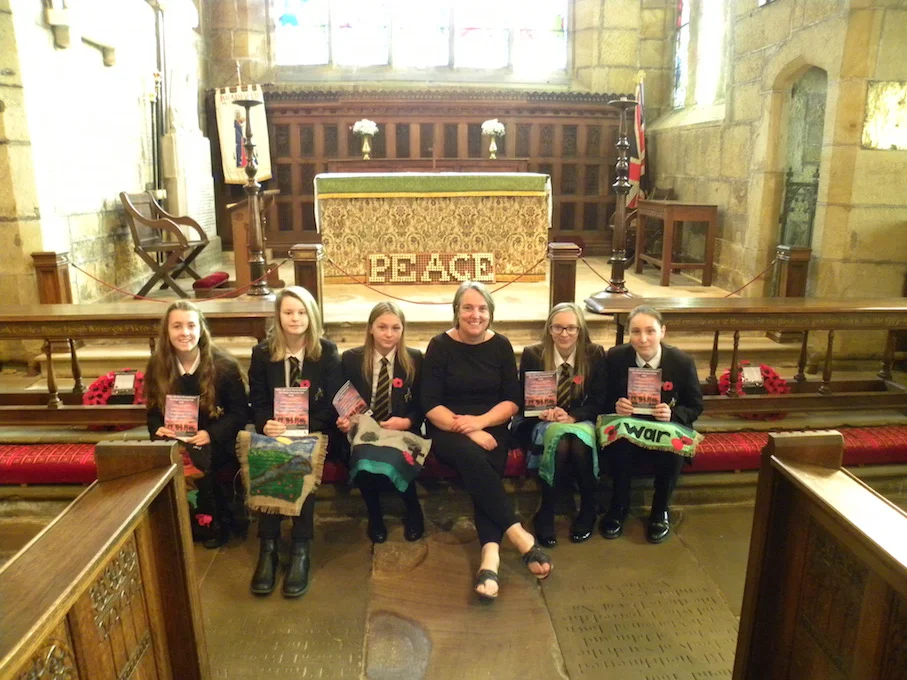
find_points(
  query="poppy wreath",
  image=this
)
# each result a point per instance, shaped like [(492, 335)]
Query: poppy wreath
[(99, 391), (771, 381)]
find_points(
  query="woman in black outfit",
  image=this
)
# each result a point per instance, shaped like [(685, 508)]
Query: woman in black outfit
[(569, 428), (293, 355), (187, 362), (470, 392), (385, 372)]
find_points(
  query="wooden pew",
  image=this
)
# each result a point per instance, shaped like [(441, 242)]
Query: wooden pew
[(108, 589), (826, 582)]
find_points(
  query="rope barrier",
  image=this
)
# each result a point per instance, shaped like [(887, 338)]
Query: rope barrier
[(230, 293), (755, 278), (420, 302)]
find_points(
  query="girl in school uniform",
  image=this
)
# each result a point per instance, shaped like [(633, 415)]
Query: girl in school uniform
[(294, 354), (564, 436), (385, 372), (187, 362)]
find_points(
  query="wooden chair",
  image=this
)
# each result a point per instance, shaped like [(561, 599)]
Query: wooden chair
[(657, 194), (159, 240)]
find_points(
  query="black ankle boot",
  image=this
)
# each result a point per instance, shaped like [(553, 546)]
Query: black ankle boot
[(265, 576), (413, 524), (296, 582)]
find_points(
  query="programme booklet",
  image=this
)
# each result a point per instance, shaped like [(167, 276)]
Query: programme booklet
[(181, 415), (539, 392), (348, 402), (644, 389), (291, 407)]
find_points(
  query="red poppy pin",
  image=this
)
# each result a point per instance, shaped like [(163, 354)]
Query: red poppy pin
[(408, 457), (577, 380), (305, 383), (397, 382), (667, 386), (203, 520)]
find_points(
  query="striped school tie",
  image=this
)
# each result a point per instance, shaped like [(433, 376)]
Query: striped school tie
[(565, 387), (295, 372), (381, 403)]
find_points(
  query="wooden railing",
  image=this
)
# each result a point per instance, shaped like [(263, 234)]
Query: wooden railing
[(108, 589), (130, 320), (826, 582), (807, 316)]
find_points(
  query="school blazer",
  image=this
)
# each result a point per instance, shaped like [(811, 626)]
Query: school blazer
[(404, 400), (324, 378), (677, 367), (594, 391)]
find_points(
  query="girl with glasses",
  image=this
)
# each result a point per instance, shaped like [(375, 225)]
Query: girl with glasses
[(563, 438)]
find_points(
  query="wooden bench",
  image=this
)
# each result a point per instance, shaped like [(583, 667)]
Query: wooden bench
[(719, 452)]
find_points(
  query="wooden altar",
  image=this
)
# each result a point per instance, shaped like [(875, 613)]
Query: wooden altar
[(402, 214)]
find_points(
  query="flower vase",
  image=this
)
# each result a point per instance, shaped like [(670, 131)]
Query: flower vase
[(493, 147), (366, 147)]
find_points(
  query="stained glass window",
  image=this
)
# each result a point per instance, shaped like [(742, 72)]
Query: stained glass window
[(681, 53), (527, 36), (302, 33)]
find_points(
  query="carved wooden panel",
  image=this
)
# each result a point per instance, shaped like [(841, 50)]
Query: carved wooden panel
[(109, 622), (831, 593), (565, 135), (53, 660), (895, 650)]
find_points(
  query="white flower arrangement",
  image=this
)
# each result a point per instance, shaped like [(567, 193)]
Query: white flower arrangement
[(493, 127), (365, 127)]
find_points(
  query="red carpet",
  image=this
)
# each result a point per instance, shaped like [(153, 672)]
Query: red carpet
[(719, 452)]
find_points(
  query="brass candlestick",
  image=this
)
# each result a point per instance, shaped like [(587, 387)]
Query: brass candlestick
[(618, 259), (257, 262)]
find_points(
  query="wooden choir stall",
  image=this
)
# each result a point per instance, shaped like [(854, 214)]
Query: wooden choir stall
[(108, 589)]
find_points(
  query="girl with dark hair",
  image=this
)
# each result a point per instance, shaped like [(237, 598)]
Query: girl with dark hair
[(385, 372), (187, 362), (564, 436), (293, 355), (681, 402)]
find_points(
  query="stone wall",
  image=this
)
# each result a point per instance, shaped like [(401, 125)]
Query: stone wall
[(735, 154), (75, 131)]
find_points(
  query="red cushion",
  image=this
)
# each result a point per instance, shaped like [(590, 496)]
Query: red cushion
[(47, 464), (213, 280)]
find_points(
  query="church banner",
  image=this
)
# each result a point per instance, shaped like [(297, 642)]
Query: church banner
[(231, 131)]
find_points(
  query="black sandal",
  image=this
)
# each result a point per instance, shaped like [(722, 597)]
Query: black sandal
[(539, 556), (482, 578)]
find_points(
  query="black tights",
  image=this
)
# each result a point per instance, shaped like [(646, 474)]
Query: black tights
[(621, 456), (572, 461), (371, 485)]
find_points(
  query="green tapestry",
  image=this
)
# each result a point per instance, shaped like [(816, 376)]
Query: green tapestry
[(279, 473), (648, 434)]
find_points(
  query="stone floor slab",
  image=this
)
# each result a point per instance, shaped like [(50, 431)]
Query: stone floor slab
[(429, 586), (319, 635), (627, 610)]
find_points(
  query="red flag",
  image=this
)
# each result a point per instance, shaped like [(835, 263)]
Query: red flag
[(639, 179)]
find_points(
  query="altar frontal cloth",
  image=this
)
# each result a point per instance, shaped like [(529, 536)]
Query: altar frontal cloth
[(362, 215)]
